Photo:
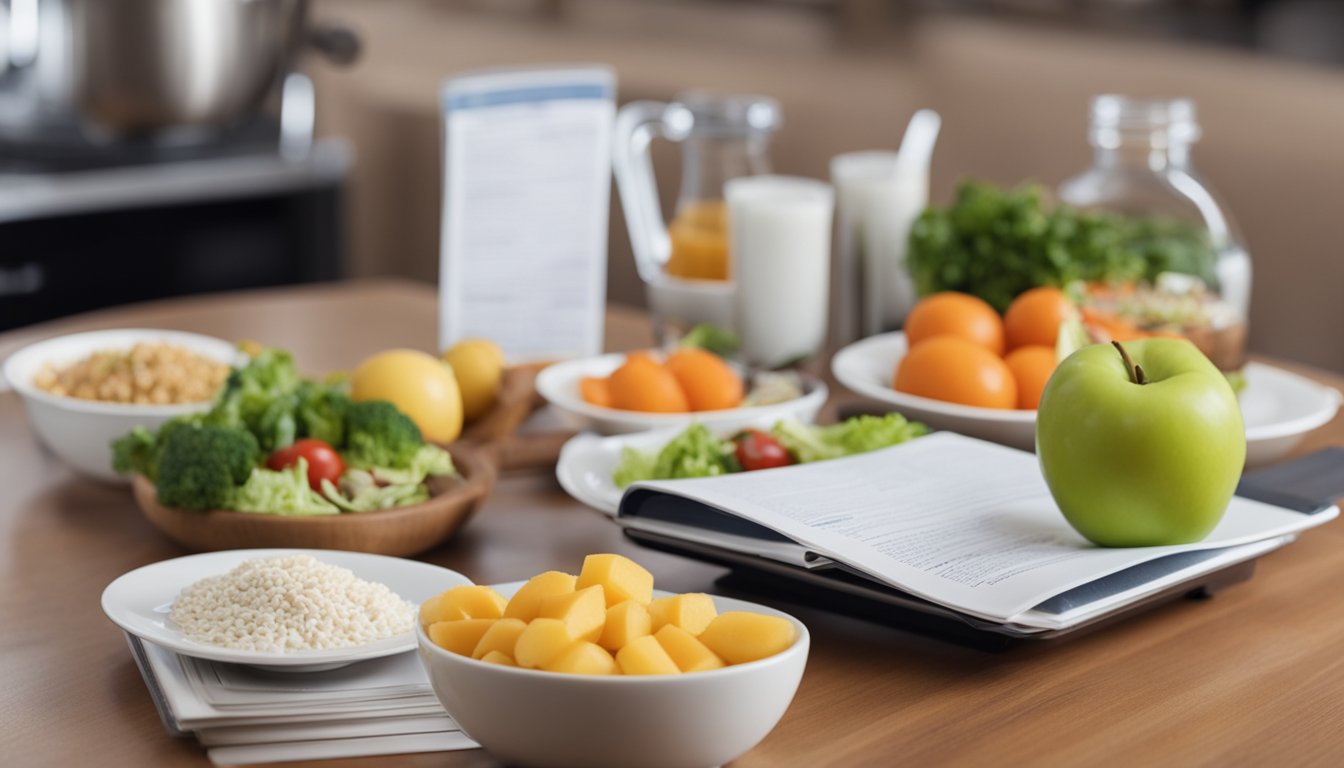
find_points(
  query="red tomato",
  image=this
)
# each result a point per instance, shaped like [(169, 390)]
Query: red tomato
[(323, 461), (758, 450)]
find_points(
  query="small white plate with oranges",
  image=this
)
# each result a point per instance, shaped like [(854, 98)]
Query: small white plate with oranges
[(997, 392), (644, 390)]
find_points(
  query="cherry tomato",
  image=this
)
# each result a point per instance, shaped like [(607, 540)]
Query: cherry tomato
[(324, 463), (758, 450)]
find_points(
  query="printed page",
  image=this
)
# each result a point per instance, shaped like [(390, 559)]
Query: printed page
[(961, 522), (527, 179)]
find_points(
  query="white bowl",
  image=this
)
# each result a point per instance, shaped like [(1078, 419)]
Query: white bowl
[(531, 718), (559, 385), (1278, 407), (81, 431)]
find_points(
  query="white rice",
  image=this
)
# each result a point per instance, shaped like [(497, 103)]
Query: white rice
[(291, 603)]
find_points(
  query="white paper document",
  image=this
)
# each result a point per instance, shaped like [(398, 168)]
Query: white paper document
[(246, 715), (963, 523), (527, 179)]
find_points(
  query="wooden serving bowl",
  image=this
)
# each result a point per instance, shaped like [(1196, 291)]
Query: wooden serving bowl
[(401, 531)]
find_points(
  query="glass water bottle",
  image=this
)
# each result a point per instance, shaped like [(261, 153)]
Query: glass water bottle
[(1197, 281)]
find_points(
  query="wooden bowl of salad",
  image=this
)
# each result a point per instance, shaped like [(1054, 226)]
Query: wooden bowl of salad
[(284, 461), (398, 531)]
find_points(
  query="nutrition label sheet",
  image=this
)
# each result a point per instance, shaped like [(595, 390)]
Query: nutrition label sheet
[(526, 194)]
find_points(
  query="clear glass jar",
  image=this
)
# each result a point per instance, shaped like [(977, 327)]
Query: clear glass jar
[(1199, 280)]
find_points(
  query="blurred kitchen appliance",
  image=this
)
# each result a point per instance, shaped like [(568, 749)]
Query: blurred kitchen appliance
[(152, 148)]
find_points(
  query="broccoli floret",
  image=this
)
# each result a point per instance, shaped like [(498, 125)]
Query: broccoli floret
[(379, 435), (200, 466), (134, 453), (321, 412)]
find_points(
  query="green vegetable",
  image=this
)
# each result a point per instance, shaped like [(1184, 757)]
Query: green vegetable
[(693, 453), (283, 492), (210, 461), (996, 243), (136, 453), (321, 412), (199, 466), (697, 453), (379, 435), (712, 338), (856, 435)]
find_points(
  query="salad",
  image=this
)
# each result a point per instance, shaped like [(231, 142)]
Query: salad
[(277, 443), (697, 452)]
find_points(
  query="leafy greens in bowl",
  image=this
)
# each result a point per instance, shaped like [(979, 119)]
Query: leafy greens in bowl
[(239, 455)]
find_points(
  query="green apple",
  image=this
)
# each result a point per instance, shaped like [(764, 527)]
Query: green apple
[(1141, 444)]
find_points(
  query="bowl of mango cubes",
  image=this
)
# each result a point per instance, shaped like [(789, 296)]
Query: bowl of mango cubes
[(599, 669)]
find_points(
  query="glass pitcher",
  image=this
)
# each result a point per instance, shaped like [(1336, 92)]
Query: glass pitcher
[(1198, 281), (686, 263)]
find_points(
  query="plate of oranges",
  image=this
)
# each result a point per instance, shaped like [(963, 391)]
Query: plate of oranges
[(960, 365), (621, 393)]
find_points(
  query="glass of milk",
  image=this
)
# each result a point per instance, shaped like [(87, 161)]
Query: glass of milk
[(780, 234)]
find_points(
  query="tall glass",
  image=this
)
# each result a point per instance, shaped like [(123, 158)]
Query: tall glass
[(780, 230)]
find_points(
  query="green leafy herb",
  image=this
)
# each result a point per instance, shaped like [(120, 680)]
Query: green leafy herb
[(996, 243)]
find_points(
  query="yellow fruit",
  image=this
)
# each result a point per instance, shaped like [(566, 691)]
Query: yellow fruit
[(526, 602), (460, 637), (465, 602), (625, 622), (738, 637), (478, 365), (501, 637), (644, 656), (690, 654), (584, 612), (418, 384), (620, 577), (541, 642), (583, 658), (691, 611)]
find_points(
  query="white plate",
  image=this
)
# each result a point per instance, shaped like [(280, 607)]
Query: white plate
[(559, 384), (139, 602), (1279, 407)]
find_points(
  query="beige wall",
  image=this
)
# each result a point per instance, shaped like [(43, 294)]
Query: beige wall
[(1013, 100)]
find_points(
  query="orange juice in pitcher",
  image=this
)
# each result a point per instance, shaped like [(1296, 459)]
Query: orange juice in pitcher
[(699, 234)]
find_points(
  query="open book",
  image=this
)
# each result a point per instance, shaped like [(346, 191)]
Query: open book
[(961, 523)]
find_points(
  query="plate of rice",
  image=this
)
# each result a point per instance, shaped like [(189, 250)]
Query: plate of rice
[(292, 609)]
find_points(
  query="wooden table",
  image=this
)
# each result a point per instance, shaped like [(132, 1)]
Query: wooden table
[(1254, 676)]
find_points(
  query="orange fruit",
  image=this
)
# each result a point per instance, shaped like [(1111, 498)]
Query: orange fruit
[(1034, 317), (595, 391), (709, 383), (1031, 366), (642, 384), (955, 314), (956, 370)]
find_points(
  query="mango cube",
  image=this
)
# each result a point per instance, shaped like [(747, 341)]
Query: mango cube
[(645, 656), (465, 602), (625, 622), (739, 636), (459, 636), (692, 612), (541, 642), (689, 654), (583, 658), (620, 577), (501, 637), (502, 659), (583, 612), (526, 602)]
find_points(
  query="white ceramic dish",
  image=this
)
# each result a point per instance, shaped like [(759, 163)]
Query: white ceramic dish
[(1279, 407), (139, 602), (559, 385), (530, 718), (81, 431)]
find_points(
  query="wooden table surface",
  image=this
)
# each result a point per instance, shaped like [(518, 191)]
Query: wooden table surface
[(1254, 676)]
